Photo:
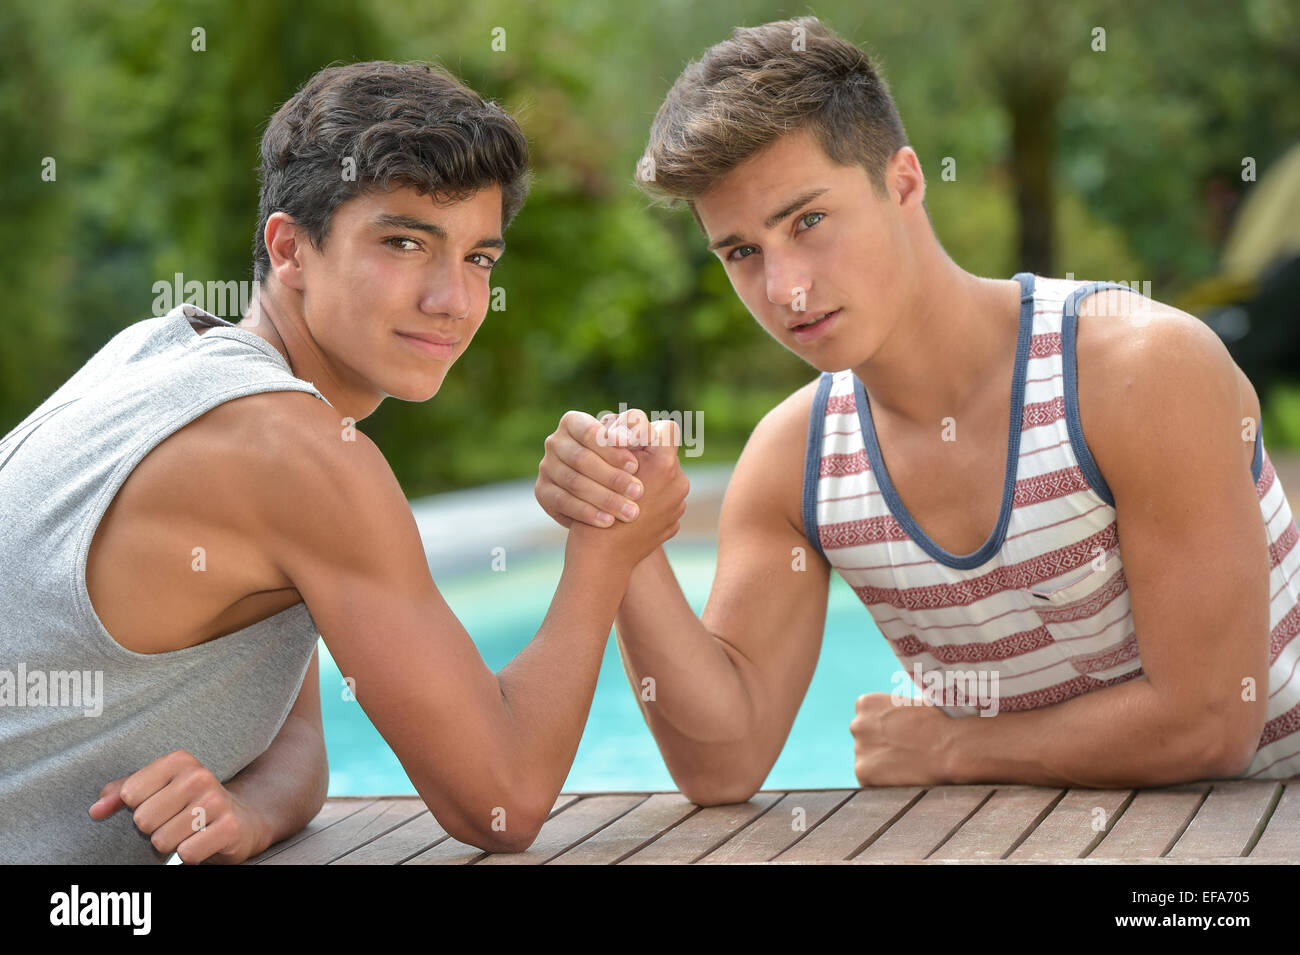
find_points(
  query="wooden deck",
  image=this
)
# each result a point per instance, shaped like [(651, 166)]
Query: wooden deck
[(1234, 822)]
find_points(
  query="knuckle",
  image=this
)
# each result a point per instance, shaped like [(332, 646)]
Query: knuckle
[(197, 773)]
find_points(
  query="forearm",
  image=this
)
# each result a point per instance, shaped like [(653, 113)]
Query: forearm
[(1121, 736), (698, 692), (286, 786), (548, 687), (692, 693)]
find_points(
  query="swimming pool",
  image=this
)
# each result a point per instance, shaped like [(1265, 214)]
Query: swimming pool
[(617, 751)]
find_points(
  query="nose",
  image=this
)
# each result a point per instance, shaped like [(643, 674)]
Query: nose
[(788, 280), (447, 292)]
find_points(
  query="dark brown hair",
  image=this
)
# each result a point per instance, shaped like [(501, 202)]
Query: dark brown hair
[(400, 124), (748, 91)]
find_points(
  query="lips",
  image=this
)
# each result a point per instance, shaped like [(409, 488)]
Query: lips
[(432, 337), (433, 345), (812, 321)]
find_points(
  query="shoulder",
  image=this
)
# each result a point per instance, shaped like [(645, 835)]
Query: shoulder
[(306, 477), (1131, 337), (284, 434), (771, 467), (780, 439), (1154, 381)]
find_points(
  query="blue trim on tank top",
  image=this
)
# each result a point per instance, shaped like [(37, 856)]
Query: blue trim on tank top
[(1257, 463), (1069, 363), (813, 459), (895, 504)]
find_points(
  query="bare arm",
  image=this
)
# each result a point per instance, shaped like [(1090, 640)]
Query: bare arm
[(487, 753), (727, 685), (286, 786)]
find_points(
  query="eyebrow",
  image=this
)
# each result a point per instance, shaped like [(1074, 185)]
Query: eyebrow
[(391, 221), (786, 210)]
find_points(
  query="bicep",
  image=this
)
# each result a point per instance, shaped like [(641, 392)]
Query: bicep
[(343, 533)]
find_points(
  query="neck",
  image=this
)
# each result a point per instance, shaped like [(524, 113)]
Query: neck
[(955, 336), (275, 314)]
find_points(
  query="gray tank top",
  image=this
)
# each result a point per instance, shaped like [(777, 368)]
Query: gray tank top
[(77, 709)]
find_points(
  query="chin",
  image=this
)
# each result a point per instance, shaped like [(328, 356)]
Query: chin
[(415, 391), (828, 359)]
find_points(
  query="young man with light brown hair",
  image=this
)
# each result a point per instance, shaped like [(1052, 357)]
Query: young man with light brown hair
[(1060, 495)]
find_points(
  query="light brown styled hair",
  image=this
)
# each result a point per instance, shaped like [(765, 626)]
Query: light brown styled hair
[(766, 81)]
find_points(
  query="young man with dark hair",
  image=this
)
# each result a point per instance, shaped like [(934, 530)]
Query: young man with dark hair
[(1055, 504), (189, 513)]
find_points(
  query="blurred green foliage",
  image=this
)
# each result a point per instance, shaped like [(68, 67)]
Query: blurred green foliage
[(608, 300)]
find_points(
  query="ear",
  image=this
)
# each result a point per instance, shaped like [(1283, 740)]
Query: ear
[(904, 178), (282, 237)]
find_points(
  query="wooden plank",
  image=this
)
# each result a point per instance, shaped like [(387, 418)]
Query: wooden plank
[(780, 827), (853, 825), (454, 852), (571, 826), (1229, 821), (411, 838), (1124, 862), (448, 852), (701, 833), (1152, 822), (1281, 838), (1010, 814), (342, 837), (330, 813), (927, 824), (630, 832), (1074, 827)]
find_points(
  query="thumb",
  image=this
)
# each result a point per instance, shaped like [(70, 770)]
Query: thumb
[(109, 801), (666, 434)]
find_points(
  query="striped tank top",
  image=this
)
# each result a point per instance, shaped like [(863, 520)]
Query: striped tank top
[(1043, 605)]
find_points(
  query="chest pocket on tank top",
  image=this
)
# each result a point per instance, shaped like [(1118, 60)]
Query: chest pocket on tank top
[(1087, 615)]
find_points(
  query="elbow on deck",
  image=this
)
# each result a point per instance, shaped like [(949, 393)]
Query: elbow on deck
[(504, 829), (718, 790), (504, 824)]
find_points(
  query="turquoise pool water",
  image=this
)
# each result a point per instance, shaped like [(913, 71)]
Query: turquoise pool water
[(617, 751)]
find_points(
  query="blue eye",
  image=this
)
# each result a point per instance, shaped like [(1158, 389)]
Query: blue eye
[(732, 257)]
